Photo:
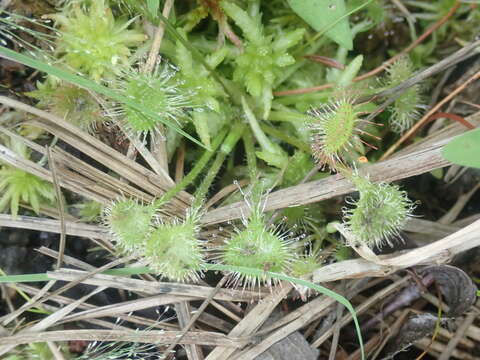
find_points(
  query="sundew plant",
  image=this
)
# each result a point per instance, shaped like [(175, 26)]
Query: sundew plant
[(185, 116)]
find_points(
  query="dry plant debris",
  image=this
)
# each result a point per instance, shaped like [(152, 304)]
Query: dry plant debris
[(177, 172)]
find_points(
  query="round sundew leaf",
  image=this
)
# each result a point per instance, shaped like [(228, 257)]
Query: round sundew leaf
[(339, 128), (379, 214), (464, 149), (174, 251), (130, 223)]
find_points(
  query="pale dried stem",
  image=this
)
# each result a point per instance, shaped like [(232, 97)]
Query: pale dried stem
[(227, 190), (436, 348), (195, 317), (71, 284), (50, 320), (153, 288), (452, 344), (159, 144), (183, 311), (364, 306), (252, 321), (294, 321), (457, 208), (158, 337), (147, 180), (61, 207), (440, 251), (92, 309), (55, 351), (15, 314), (157, 39), (148, 156), (49, 225), (127, 307)]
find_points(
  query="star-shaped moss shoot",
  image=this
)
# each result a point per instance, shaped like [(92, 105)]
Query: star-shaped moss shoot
[(379, 214), (174, 250), (18, 186), (264, 56), (93, 42)]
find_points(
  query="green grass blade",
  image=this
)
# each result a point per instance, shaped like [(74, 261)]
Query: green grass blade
[(23, 278), (88, 84)]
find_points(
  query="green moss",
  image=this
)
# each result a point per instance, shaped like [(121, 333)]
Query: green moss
[(93, 42)]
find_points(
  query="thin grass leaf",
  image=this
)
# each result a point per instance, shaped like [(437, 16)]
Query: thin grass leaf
[(153, 6), (44, 277), (23, 278)]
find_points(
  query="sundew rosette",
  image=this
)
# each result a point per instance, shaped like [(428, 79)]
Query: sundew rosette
[(159, 92), (379, 214), (173, 249), (335, 130), (129, 223), (258, 247), (408, 107), (76, 105)]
